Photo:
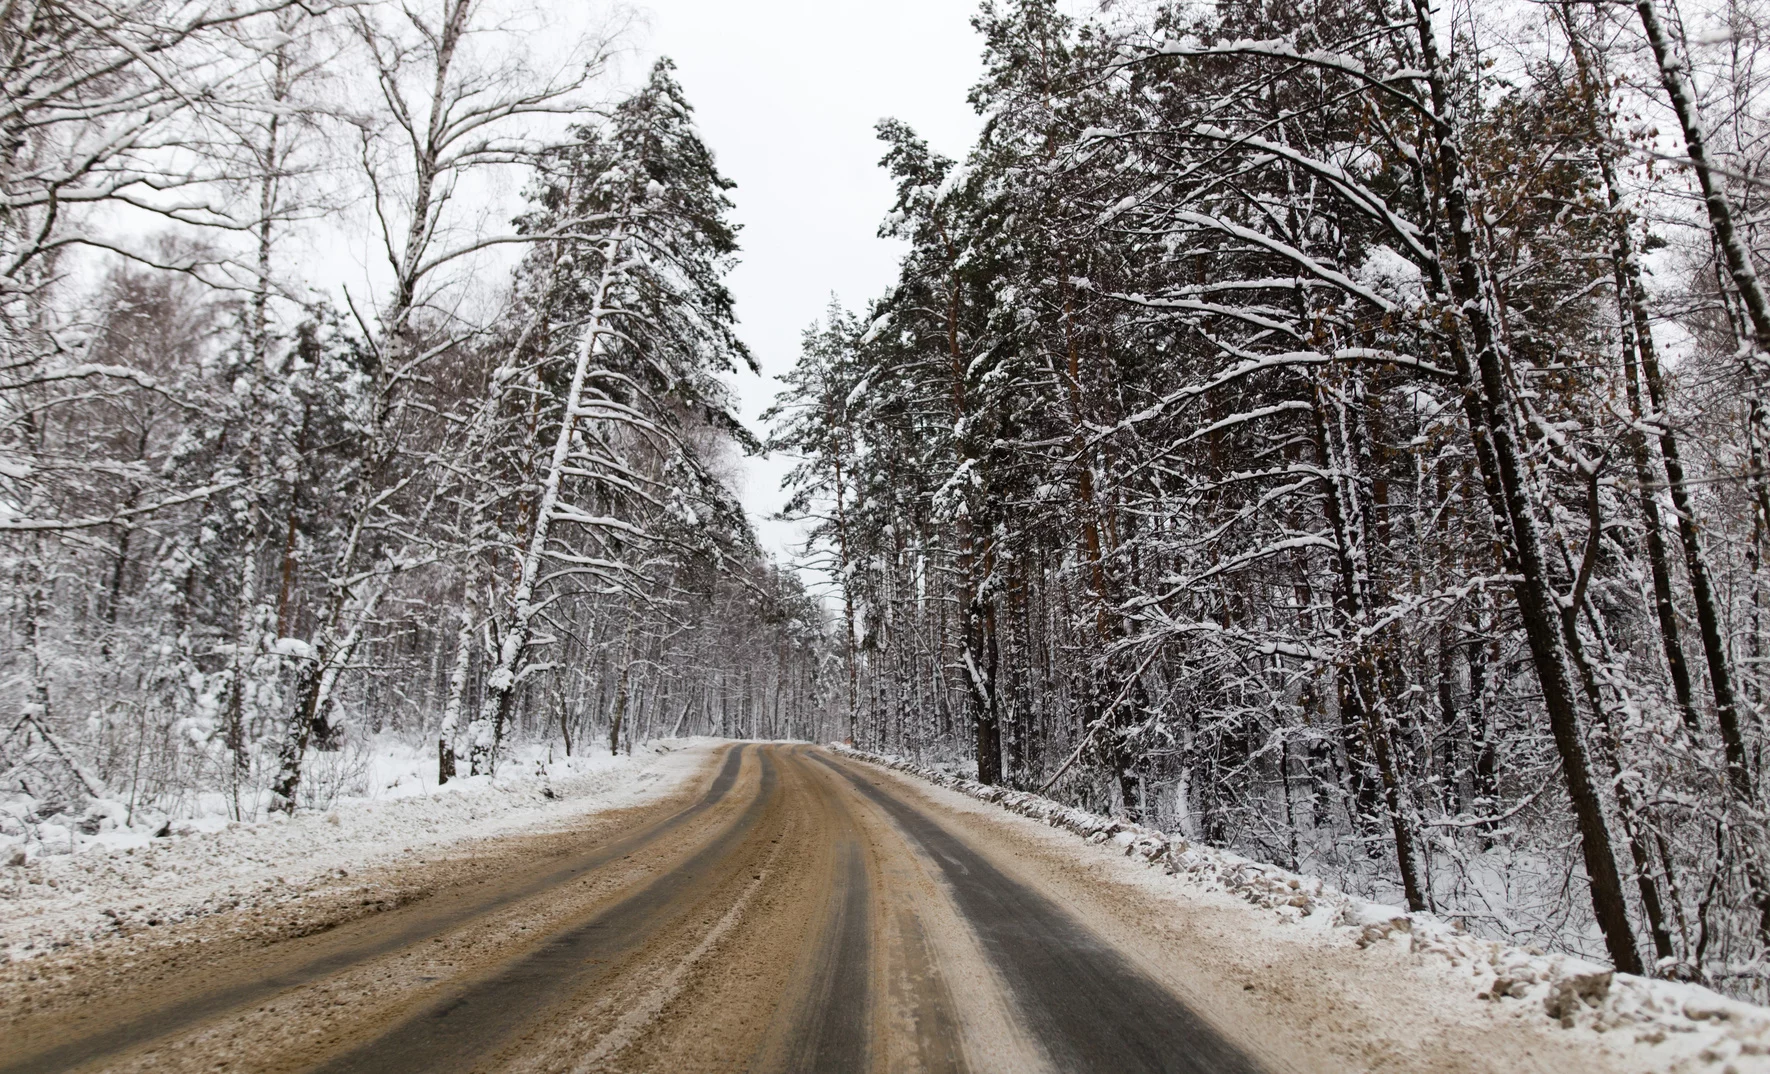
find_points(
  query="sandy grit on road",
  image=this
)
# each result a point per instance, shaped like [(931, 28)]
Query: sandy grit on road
[(782, 910)]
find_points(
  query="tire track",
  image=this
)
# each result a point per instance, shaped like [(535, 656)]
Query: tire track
[(647, 1010), (831, 1029), (825, 1020), (1090, 1008), (869, 994), (923, 994), (459, 1032)]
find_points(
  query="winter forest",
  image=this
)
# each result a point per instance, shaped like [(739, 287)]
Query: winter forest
[(1333, 430), (247, 526)]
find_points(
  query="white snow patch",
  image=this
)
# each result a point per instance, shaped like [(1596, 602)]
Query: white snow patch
[(879, 325), (1391, 275)]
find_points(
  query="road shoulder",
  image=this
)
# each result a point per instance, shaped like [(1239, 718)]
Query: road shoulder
[(130, 925), (1307, 997)]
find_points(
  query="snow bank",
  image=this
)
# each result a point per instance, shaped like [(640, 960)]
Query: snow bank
[(383, 768), (60, 885), (1664, 1024)]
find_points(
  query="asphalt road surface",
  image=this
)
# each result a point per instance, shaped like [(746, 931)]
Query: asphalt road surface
[(791, 911)]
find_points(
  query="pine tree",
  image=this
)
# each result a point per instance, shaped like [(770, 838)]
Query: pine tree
[(635, 325)]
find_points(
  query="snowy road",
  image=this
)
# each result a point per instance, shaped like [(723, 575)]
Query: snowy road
[(797, 915), (789, 910)]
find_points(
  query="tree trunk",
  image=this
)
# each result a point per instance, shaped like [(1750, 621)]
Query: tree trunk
[(1757, 306), (502, 681), (1487, 391)]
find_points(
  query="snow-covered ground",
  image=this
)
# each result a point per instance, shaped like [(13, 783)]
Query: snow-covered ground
[(60, 885), (1641, 1023), (380, 768)]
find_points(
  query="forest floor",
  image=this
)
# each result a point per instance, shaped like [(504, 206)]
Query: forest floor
[(763, 907)]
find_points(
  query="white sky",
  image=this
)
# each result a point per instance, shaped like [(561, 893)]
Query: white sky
[(786, 93)]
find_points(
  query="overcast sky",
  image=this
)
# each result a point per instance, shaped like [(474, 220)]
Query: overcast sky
[(787, 92)]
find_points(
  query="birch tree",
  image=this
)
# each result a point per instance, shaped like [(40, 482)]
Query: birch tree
[(648, 323)]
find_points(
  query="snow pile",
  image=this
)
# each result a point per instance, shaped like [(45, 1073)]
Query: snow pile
[(382, 768), (119, 878), (1685, 1026)]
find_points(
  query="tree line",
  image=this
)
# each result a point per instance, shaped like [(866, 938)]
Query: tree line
[(1337, 431), (249, 518)]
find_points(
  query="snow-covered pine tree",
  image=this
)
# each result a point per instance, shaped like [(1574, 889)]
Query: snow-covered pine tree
[(635, 327), (1291, 351), (813, 421)]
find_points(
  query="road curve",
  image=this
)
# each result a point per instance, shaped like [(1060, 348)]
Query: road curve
[(799, 913)]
